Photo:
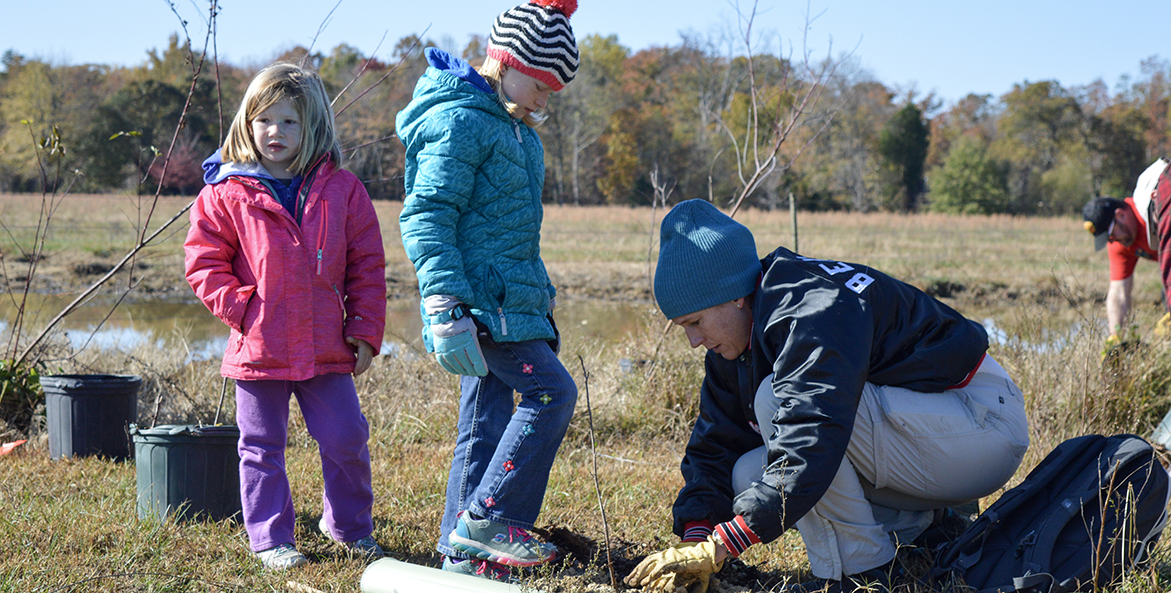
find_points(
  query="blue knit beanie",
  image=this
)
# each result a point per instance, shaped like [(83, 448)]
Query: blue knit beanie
[(705, 259)]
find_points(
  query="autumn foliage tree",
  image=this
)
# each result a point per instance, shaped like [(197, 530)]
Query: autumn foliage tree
[(704, 115)]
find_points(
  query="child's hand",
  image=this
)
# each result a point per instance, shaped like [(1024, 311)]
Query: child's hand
[(457, 349), (365, 354), (453, 332)]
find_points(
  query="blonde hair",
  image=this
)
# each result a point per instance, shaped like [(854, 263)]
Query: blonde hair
[(493, 71), (304, 88)]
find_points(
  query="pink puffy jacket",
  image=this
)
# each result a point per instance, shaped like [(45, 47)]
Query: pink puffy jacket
[(290, 293)]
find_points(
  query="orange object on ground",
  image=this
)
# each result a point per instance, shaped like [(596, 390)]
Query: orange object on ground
[(7, 448)]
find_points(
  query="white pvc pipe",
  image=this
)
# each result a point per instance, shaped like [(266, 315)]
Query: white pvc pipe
[(392, 576), (1162, 434)]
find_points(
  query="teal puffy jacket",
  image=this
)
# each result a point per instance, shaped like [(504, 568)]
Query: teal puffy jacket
[(471, 220)]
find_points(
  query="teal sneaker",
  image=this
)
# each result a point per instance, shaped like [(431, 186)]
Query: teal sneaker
[(488, 540), (475, 567)]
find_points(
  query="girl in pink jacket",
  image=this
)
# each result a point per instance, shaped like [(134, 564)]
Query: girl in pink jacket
[(285, 249)]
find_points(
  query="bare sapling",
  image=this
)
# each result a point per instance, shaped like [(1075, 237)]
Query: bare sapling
[(776, 109), (597, 487)]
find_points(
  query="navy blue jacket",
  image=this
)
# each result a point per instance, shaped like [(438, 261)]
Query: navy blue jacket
[(823, 328)]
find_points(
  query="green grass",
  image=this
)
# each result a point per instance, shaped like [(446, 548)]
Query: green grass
[(71, 525)]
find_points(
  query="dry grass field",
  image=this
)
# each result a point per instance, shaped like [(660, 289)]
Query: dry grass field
[(609, 252), (70, 525)]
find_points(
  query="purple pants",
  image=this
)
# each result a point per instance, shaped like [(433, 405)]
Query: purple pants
[(329, 404)]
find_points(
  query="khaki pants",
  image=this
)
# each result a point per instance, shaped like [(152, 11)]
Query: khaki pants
[(910, 453)]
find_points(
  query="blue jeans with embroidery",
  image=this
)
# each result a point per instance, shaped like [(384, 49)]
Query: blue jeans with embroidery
[(503, 457)]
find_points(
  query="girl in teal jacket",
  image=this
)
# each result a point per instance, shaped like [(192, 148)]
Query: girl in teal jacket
[(471, 224)]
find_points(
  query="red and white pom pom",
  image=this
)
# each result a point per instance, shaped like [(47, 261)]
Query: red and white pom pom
[(567, 7)]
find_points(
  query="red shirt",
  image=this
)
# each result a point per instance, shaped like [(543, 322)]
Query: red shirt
[(1123, 258)]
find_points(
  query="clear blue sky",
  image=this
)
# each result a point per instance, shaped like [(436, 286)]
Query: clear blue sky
[(947, 46)]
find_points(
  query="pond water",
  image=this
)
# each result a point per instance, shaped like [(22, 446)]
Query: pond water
[(190, 325)]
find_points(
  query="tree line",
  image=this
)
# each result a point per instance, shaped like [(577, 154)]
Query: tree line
[(663, 123)]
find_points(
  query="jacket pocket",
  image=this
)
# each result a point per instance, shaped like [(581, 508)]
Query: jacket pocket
[(249, 317), (341, 304), (263, 341), (497, 286)]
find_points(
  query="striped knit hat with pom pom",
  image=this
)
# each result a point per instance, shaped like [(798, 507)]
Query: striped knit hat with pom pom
[(536, 39)]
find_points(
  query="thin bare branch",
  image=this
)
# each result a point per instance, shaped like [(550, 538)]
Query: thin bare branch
[(660, 196), (97, 284), (597, 487), (105, 318), (761, 147), (808, 102), (370, 143), (320, 29), (197, 68), (215, 60), (49, 204), (390, 72), (361, 71)]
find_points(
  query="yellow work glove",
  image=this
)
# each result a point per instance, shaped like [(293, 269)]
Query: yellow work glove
[(1110, 345), (677, 583), (1163, 326), (687, 565)]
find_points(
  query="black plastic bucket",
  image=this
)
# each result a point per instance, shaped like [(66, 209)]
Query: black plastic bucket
[(187, 471), (90, 414)]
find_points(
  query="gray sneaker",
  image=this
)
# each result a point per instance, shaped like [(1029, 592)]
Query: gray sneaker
[(478, 568), (281, 557), (365, 547), (492, 541)]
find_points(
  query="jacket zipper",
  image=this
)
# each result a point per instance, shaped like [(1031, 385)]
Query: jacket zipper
[(321, 237), (503, 323), (324, 216), (516, 128)]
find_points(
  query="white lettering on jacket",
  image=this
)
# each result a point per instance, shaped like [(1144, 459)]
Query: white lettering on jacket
[(857, 283)]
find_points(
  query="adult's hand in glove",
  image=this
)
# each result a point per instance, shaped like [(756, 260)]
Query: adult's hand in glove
[(453, 333), (688, 564)]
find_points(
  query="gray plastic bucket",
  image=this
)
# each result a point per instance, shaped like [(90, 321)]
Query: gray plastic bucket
[(90, 414), (187, 471)]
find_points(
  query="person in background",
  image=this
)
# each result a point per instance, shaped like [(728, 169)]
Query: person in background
[(471, 225), (836, 400), (1131, 229), (1126, 241), (1136, 227), (285, 249)]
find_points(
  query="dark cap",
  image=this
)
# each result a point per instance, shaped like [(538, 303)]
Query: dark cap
[(1099, 214)]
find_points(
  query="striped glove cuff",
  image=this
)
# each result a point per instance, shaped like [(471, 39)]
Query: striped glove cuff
[(735, 535), (697, 531)]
